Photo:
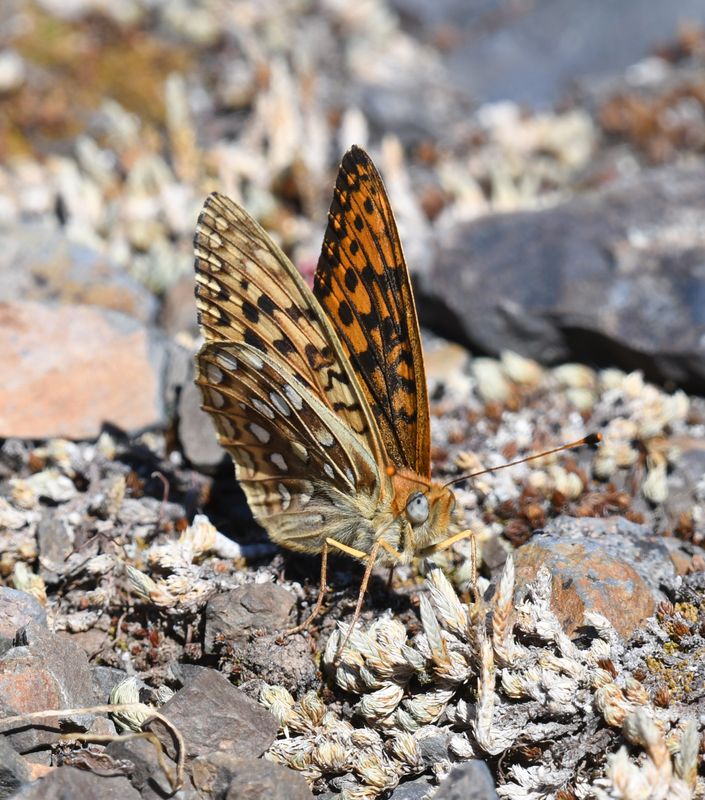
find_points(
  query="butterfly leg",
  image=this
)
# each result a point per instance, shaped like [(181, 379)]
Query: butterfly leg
[(321, 595), (451, 540), (371, 557), (351, 551)]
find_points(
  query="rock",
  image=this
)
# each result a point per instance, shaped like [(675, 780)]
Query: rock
[(214, 716), (612, 277), (611, 566), (145, 775), (494, 53), (101, 367), (44, 671), (433, 745), (237, 623), (77, 784), (178, 312), (254, 779), (104, 680), (14, 770), (222, 775), (42, 264), (420, 789), (55, 540), (683, 485), (469, 781), (17, 609), (288, 662), (240, 612), (195, 429)]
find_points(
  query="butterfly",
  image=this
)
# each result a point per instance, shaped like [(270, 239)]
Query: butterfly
[(320, 396)]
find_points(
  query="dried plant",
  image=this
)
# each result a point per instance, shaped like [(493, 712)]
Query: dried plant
[(527, 684)]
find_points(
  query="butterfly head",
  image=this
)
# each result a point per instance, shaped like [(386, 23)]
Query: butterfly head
[(427, 509)]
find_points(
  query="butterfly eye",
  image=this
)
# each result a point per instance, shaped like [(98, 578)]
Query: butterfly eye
[(417, 508)]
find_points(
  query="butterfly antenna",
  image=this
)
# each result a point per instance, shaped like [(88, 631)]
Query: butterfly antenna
[(590, 439)]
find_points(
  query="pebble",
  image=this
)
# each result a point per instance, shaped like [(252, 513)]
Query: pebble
[(17, 609), (222, 775), (469, 781), (238, 613), (214, 716)]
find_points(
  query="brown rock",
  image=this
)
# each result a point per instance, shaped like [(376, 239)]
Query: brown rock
[(45, 671), (68, 370), (595, 566)]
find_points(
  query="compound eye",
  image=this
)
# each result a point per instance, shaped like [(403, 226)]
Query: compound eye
[(417, 508)]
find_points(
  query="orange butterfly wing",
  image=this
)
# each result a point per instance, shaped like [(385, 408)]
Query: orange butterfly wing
[(362, 282)]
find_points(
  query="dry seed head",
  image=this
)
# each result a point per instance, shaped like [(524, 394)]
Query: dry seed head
[(446, 603), (278, 701), (492, 385), (128, 691), (575, 376), (331, 757), (404, 748), (635, 692), (521, 370), (639, 728), (686, 760), (381, 703)]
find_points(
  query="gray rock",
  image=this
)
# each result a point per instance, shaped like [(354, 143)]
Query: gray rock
[(238, 613), (433, 744), (213, 716), (44, 671), (287, 662), (104, 679), (419, 789), (254, 779), (55, 544), (500, 51), (469, 781), (43, 264), (145, 774), (612, 277), (222, 775), (14, 770), (195, 429), (77, 784), (17, 609)]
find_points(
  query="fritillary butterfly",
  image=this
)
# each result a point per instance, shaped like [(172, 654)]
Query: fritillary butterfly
[(320, 397)]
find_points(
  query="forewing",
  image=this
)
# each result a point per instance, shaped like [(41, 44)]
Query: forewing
[(363, 283)]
